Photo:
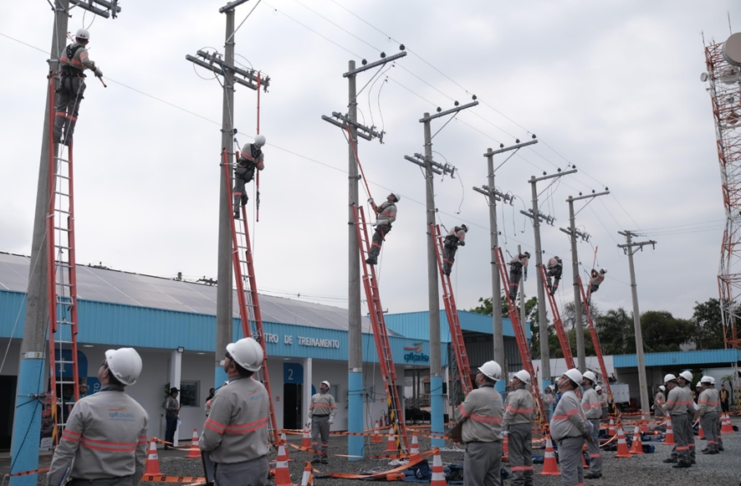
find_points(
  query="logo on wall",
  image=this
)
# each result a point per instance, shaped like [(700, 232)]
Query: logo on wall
[(415, 353)]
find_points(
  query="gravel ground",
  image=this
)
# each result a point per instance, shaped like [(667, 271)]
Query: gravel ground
[(723, 469)]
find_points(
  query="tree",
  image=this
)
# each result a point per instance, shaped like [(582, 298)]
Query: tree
[(663, 332), (615, 331), (708, 325)]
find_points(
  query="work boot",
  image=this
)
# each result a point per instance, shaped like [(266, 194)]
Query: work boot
[(592, 475), (316, 460), (236, 214), (681, 465), (325, 460), (693, 462), (711, 452), (670, 461), (371, 261)]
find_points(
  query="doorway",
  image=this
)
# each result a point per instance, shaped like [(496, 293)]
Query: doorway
[(7, 407), (293, 379)]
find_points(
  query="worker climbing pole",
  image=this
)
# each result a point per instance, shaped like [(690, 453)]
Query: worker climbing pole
[(595, 341), (563, 339)]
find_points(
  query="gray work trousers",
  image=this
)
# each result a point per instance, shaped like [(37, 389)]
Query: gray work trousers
[(481, 464), (709, 424), (320, 427), (247, 473), (67, 106), (691, 435), (570, 460), (681, 451), (448, 258), (595, 465), (123, 481), (718, 434), (521, 453), (378, 238)]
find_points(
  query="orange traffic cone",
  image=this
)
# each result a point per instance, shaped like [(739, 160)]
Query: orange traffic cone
[(726, 426), (438, 473), (622, 450), (376, 435), (669, 437), (505, 447), (611, 428), (637, 447), (152, 467), (308, 478), (283, 440), (195, 451), (306, 439), (391, 443), (584, 461), (700, 433), (644, 425), (550, 466), (282, 474), (414, 450)]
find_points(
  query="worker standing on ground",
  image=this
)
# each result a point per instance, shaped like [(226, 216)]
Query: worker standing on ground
[(602, 401), (707, 412), (676, 405), (456, 237), (724, 398), (549, 400), (250, 158), (236, 431), (321, 413), (518, 421), (517, 271), (659, 400), (554, 270), (105, 438), (569, 428), (71, 86), (592, 407), (481, 417), (719, 409), (385, 216), (685, 380), (172, 415)]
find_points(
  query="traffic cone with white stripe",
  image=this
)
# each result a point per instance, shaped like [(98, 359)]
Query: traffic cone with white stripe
[(622, 449), (306, 439), (669, 437), (726, 426), (391, 443), (376, 435), (637, 447), (700, 433), (195, 451), (644, 425), (282, 474), (152, 467), (438, 473), (414, 450), (611, 429), (308, 478), (550, 466), (284, 440)]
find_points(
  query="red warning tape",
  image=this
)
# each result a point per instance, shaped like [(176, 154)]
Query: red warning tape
[(172, 479), (26, 473)]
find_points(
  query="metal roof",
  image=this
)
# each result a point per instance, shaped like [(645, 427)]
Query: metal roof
[(117, 287), (679, 358)]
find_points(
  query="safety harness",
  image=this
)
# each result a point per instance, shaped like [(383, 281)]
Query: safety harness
[(246, 167)]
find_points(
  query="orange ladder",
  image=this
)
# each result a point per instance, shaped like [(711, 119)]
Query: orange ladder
[(595, 341), (558, 323)]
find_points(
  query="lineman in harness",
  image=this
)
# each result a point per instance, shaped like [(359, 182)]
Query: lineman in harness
[(517, 266), (555, 269), (71, 86), (385, 216), (250, 157), (456, 238)]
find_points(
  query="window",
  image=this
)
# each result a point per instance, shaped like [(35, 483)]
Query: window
[(334, 390), (189, 394)]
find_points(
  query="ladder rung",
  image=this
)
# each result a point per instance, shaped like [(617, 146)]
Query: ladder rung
[(58, 193), (62, 211), (64, 362), (62, 247), (57, 341), (59, 228), (63, 176), (59, 159)]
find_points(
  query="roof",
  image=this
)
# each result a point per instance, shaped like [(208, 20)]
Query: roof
[(679, 358), (117, 287)]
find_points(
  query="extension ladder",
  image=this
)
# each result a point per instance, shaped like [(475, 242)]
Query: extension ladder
[(61, 278), (451, 312), (527, 361), (380, 334), (558, 323), (248, 298), (595, 341)]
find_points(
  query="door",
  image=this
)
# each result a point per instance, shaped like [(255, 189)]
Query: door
[(293, 378), (7, 407)]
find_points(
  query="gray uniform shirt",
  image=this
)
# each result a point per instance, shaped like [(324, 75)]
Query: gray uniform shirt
[(386, 213), (482, 411), (679, 401), (322, 404), (568, 418), (590, 404), (236, 430), (105, 437), (518, 408), (79, 61), (708, 401)]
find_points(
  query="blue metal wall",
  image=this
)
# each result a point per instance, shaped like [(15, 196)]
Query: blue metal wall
[(680, 358)]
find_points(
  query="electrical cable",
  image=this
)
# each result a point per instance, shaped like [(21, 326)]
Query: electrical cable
[(243, 21)]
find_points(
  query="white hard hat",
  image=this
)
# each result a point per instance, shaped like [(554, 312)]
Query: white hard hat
[(707, 379), (396, 196), (573, 375), (82, 34), (325, 382), (686, 375), (523, 376), (597, 388), (662, 388), (590, 376), (260, 140), (492, 370), (247, 353), (125, 364), (669, 377)]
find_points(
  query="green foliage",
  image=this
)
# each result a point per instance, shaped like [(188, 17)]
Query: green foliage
[(708, 325), (663, 332), (615, 331)]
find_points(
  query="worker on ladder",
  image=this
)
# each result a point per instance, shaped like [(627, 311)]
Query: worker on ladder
[(105, 439), (250, 158), (596, 280), (385, 216), (71, 85), (517, 268), (518, 422), (554, 270), (455, 238)]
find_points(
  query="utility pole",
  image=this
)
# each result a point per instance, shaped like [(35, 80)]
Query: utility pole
[(537, 216), (232, 75), (32, 367), (432, 167), (628, 248), (573, 234), (350, 123), (493, 196)]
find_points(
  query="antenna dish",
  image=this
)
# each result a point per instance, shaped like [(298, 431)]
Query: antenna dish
[(704, 77), (729, 75), (732, 50)]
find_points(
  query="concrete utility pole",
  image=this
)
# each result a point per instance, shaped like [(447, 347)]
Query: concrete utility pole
[(493, 196), (628, 249), (354, 326), (32, 367), (573, 234), (431, 167), (536, 216), (226, 67)]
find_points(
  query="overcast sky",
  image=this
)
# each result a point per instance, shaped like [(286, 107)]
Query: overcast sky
[(613, 89)]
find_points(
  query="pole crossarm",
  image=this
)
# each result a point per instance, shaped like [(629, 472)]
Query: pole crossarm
[(448, 112), (380, 62), (367, 133), (232, 5), (89, 5), (541, 217), (422, 164), (640, 244), (445, 168), (218, 66), (551, 176), (498, 195), (518, 145), (587, 196), (581, 234), (342, 126)]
